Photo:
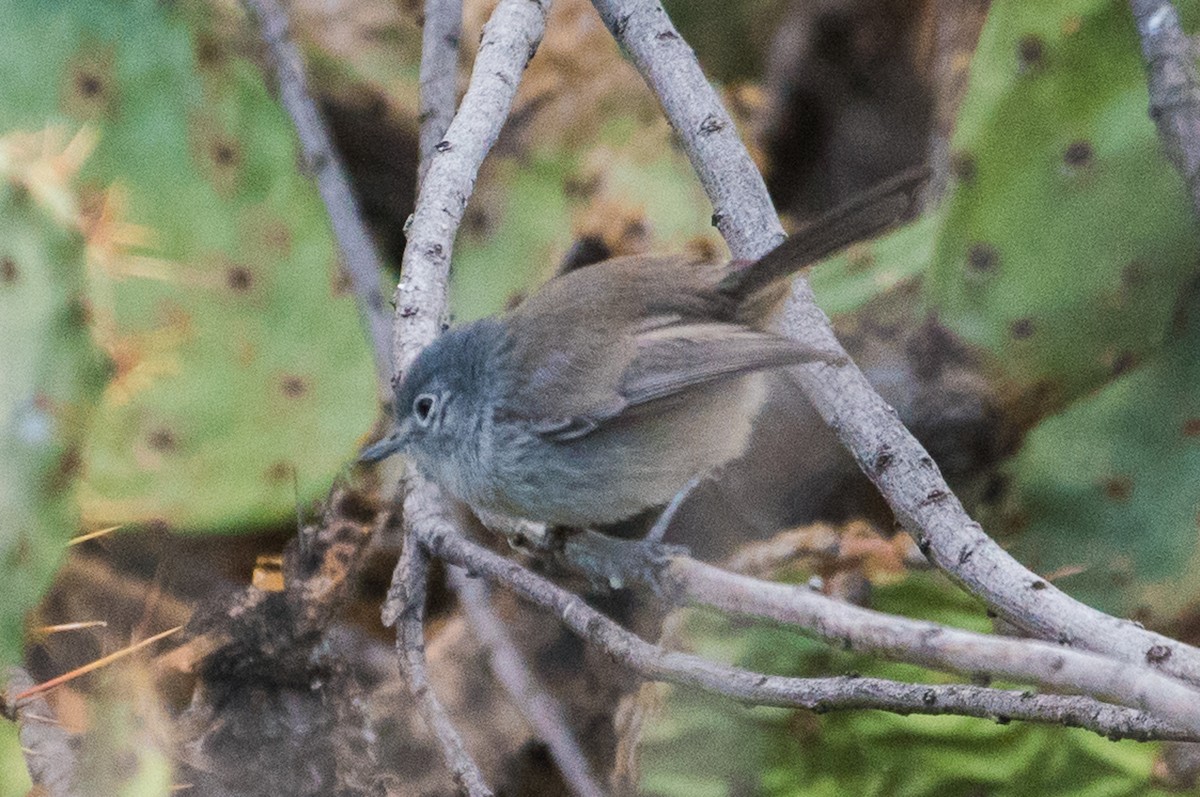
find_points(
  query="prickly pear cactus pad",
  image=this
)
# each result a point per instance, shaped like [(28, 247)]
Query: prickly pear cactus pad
[(1107, 493), (1063, 254), (53, 375), (241, 373), (1067, 233)]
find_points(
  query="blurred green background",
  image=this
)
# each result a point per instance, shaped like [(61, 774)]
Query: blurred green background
[(181, 351)]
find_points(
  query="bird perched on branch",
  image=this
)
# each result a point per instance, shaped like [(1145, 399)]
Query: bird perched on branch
[(614, 386)]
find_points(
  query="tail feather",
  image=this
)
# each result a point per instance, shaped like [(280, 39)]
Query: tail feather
[(864, 216)]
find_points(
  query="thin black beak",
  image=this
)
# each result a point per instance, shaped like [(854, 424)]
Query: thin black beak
[(382, 449)]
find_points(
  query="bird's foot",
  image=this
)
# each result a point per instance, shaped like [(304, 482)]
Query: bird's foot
[(524, 535), (611, 563)]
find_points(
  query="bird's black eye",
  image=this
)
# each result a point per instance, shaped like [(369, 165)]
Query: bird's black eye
[(423, 408)]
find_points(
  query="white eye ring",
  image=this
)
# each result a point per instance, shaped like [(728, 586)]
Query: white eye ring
[(424, 408)]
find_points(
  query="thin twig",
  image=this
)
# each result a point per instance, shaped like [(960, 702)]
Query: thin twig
[(955, 26), (406, 609), (935, 646), (439, 65), (439, 75), (542, 711), (816, 694), (888, 454), (509, 40), (1173, 83), (440, 36), (358, 250)]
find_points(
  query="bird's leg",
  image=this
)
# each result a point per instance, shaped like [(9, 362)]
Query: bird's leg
[(660, 527), (607, 562), (615, 563)]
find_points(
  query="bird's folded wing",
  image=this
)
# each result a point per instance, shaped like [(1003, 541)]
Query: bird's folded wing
[(673, 359)]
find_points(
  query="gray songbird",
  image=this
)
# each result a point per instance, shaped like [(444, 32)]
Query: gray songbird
[(614, 386)]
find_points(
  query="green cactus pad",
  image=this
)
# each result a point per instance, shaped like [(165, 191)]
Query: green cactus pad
[(241, 368), (1108, 489), (14, 778), (1067, 234), (53, 374)]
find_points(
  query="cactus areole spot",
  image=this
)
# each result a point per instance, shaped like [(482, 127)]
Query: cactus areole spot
[(89, 85), (161, 440), (239, 279), (293, 386), (1022, 328), (982, 257), (1118, 488), (1078, 154), (963, 167), (1031, 53)]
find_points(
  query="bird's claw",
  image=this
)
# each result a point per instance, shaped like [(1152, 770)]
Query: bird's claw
[(611, 563)]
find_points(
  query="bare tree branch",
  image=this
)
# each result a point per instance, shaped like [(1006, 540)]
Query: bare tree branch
[(405, 607), (510, 38), (816, 694), (440, 36), (542, 711), (321, 158), (886, 451), (1173, 81), (439, 74), (935, 646)]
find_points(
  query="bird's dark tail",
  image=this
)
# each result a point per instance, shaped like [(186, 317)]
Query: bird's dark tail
[(864, 216)]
